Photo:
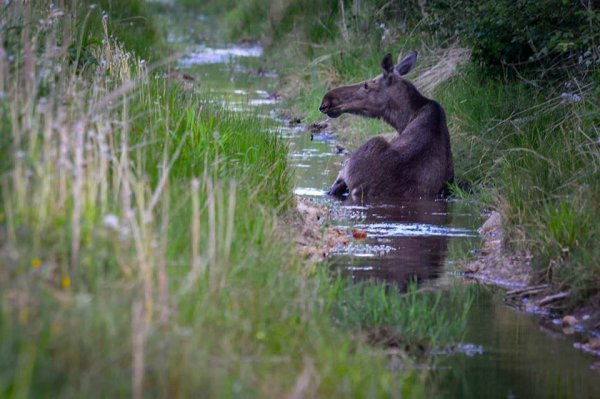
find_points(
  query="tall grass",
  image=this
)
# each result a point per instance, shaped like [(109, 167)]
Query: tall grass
[(536, 150), (141, 252)]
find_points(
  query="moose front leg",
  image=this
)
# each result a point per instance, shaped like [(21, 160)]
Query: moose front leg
[(362, 169), (338, 188)]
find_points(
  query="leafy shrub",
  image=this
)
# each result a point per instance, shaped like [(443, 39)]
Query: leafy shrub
[(522, 33)]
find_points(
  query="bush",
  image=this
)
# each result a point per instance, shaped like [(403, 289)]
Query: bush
[(522, 33)]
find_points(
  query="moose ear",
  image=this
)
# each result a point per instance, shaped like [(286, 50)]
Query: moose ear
[(387, 65), (407, 64)]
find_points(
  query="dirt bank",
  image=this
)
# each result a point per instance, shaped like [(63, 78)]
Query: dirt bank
[(495, 264), (314, 236), (498, 266)]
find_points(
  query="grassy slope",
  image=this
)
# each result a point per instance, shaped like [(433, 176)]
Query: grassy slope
[(537, 154), (524, 149), (140, 252)]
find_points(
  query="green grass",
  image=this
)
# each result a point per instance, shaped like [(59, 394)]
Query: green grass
[(412, 318), (142, 247), (214, 141), (537, 155), (129, 22)]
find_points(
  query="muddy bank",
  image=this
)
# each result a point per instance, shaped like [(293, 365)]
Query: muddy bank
[(314, 236), (495, 264), (512, 270)]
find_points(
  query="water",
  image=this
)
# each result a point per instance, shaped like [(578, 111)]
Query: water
[(505, 353), (522, 358)]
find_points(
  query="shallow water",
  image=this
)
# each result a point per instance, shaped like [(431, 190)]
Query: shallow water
[(505, 353)]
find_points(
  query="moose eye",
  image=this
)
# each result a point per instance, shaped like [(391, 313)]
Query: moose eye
[(366, 85)]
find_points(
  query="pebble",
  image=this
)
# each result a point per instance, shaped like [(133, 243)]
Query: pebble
[(359, 234), (568, 321)]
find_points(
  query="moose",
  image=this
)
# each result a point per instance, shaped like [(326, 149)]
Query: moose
[(416, 163)]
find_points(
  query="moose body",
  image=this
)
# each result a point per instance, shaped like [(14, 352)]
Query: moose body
[(417, 163)]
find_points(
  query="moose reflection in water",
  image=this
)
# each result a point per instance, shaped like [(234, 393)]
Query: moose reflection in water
[(417, 163), (415, 231)]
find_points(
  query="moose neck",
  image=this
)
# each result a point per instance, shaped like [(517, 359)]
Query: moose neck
[(403, 111)]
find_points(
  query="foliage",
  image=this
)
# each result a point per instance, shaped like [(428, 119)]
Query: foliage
[(522, 33)]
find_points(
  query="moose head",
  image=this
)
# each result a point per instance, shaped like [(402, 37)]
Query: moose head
[(379, 97)]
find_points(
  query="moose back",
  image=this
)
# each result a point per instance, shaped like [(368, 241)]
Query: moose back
[(417, 163)]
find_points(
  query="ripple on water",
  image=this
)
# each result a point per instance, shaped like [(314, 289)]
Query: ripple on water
[(361, 268), (468, 349), (262, 93), (310, 153), (262, 101), (413, 230), (308, 191), (361, 250), (208, 55), (348, 213)]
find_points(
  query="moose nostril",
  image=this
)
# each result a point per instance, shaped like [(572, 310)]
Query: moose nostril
[(326, 103)]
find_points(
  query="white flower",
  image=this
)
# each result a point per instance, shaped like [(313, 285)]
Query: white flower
[(111, 221), (570, 98)]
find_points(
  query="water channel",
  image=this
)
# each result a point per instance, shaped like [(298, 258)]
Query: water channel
[(510, 353)]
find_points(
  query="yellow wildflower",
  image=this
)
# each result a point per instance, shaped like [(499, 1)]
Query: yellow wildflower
[(55, 328), (65, 282), (24, 315), (36, 263)]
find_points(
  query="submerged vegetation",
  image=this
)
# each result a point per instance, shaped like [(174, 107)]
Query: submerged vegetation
[(141, 249), (523, 112)]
